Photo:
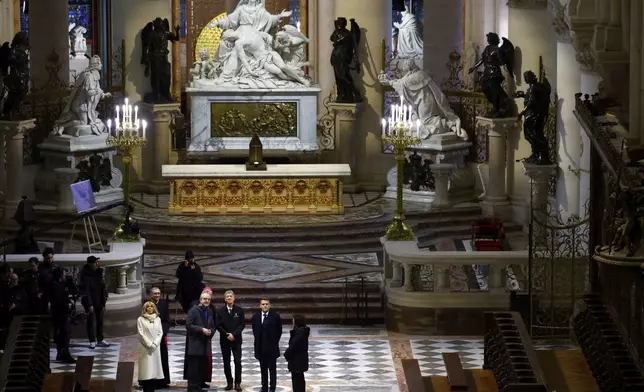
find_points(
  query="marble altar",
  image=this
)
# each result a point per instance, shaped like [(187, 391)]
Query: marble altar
[(214, 130), (231, 189)]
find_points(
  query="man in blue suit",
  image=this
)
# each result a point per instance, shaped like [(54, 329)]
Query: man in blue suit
[(267, 330)]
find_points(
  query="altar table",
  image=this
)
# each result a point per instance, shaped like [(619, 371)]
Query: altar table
[(231, 189)]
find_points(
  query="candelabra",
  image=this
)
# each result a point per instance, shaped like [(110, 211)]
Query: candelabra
[(399, 132), (128, 135)]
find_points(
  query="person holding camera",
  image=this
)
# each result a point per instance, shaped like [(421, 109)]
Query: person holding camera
[(45, 269), (60, 315), (93, 300), (190, 284)]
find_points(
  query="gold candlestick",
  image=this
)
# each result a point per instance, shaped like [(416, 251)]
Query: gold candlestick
[(127, 140), (400, 138)]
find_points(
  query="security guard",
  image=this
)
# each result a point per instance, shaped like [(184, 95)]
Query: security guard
[(60, 313)]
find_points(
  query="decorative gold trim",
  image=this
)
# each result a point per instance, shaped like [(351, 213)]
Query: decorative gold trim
[(256, 196), (209, 38)]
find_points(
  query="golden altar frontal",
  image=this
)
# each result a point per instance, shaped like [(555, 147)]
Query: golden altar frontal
[(281, 189)]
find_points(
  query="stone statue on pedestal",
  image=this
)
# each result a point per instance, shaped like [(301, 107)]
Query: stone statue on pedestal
[(492, 59), (289, 43), (202, 67), (344, 59), (80, 43), (14, 72), (428, 103), (535, 112), (410, 42), (155, 37), (80, 117)]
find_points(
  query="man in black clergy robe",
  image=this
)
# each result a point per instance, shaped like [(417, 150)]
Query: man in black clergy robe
[(200, 325), (267, 330), (230, 324), (163, 307)]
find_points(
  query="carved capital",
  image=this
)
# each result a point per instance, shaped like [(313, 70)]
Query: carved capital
[(529, 4), (560, 21), (17, 129)]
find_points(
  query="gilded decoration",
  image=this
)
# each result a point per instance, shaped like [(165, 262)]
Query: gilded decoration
[(256, 196), (242, 119), (210, 37)]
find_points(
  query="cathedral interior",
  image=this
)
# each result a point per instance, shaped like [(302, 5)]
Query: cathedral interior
[(446, 190)]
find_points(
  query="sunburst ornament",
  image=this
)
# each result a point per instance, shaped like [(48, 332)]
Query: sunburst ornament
[(210, 37)]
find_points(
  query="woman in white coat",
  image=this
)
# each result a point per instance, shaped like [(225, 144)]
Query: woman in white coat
[(150, 333)]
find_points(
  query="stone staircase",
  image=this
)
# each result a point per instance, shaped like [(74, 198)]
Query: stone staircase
[(319, 303)]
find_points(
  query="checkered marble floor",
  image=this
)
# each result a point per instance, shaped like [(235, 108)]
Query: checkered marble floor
[(105, 359), (358, 362)]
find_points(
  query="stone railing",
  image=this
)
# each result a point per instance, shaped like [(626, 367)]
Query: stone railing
[(122, 270), (420, 278)]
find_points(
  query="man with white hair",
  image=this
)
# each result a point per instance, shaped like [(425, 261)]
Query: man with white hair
[(200, 326), (230, 324)]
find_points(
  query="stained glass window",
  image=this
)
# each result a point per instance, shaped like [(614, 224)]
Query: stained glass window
[(416, 9), (182, 18), (80, 13), (24, 15)]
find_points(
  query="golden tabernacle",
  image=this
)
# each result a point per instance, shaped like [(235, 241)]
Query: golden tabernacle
[(281, 189)]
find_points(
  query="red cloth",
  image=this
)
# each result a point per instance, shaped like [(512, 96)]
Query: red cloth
[(165, 341), (209, 364)]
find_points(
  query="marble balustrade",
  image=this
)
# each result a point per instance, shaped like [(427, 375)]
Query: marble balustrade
[(419, 278)]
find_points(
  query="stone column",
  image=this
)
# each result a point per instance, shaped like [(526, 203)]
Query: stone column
[(344, 133), (14, 132), (371, 16), (495, 197), (539, 176), (568, 127), (442, 173), (132, 281), (157, 150), (121, 288), (48, 35), (635, 68), (442, 34), (6, 21), (65, 177)]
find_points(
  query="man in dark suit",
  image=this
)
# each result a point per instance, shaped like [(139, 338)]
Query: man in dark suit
[(163, 307), (200, 324), (230, 324), (267, 330)]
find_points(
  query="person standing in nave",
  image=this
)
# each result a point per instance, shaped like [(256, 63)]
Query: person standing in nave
[(297, 353), (267, 330), (213, 310), (190, 284), (44, 278), (60, 314), (230, 324), (200, 326), (150, 331), (163, 308), (93, 300), (29, 282)]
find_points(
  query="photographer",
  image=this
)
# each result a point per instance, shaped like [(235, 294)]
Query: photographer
[(93, 300), (190, 285), (60, 315), (44, 277)]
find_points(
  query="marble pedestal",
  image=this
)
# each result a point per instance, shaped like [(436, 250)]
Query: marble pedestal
[(156, 152), (342, 138), (66, 152), (12, 134), (539, 177), (446, 149), (202, 100), (494, 200), (76, 66)]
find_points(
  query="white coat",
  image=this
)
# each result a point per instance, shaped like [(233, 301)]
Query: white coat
[(150, 334)]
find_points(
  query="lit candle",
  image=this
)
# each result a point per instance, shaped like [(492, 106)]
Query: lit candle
[(409, 112), (109, 126), (404, 113), (126, 101), (117, 114), (144, 124), (418, 128), (136, 113), (384, 127)]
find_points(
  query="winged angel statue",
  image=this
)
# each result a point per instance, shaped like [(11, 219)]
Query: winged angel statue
[(252, 54), (492, 59)]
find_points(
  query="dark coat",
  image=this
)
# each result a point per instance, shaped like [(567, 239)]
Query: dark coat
[(45, 277), (267, 335), (190, 284), (59, 299), (230, 323), (297, 353), (29, 282), (197, 342), (93, 287), (163, 307)]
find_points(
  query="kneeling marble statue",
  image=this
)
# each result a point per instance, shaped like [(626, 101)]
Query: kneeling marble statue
[(429, 104), (80, 117)]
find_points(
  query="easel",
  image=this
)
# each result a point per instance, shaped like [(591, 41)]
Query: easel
[(91, 233)]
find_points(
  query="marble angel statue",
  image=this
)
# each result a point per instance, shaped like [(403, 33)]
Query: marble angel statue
[(80, 43), (80, 117), (428, 102), (250, 57), (410, 42), (202, 67), (69, 39)]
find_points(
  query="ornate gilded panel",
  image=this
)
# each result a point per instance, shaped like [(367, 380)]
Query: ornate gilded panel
[(198, 14), (253, 196), (243, 119)]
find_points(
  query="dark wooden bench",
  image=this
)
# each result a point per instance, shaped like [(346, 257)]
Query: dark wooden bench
[(455, 372), (83, 373), (413, 378), (124, 377)]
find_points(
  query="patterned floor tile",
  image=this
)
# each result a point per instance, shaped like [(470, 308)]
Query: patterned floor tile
[(264, 269), (369, 258), (105, 359)]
